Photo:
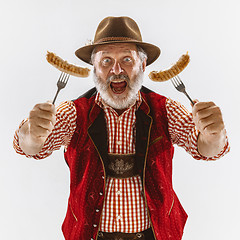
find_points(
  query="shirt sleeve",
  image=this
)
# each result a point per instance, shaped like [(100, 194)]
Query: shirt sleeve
[(183, 131), (61, 134)]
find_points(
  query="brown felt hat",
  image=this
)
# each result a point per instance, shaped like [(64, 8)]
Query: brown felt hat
[(118, 30)]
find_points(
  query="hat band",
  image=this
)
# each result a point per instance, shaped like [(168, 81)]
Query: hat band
[(112, 39)]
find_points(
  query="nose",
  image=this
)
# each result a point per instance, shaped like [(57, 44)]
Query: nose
[(116, 68)]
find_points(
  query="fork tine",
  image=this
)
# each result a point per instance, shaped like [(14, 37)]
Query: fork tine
[(176, 81), (60, 77), (63, 77), (66, 79), (179, 79), (173, 80)]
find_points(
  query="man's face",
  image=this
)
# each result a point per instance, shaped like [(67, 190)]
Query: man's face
[(118, 73)]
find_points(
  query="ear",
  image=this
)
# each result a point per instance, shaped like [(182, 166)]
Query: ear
[(144, 64)]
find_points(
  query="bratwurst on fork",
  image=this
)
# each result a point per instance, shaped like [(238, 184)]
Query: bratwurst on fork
[(167, 74), (66, 67)]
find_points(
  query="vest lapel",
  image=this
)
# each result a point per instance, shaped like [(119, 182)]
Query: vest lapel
[(143, 127), (98, 133)]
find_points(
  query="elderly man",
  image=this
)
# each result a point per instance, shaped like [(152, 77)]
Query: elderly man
[(118, 140)]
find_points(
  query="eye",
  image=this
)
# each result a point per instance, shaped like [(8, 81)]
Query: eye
[(106, 61), (127, 59)]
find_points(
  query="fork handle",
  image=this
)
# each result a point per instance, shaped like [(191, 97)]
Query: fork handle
[(55, 96), (189, 98)]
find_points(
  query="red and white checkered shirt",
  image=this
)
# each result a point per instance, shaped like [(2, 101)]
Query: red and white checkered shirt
[(124, 209)]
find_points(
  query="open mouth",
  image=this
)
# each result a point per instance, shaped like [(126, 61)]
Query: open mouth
[(118, 86)]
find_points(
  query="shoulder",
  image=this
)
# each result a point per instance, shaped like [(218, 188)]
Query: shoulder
[(150, 94), (88, 95), (153, 99), (85, 100), (66, 107), (174, 106)]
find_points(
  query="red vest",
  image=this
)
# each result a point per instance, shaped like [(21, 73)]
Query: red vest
[(87, 154)]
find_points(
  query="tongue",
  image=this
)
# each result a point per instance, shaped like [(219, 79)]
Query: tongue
[(118, 87)]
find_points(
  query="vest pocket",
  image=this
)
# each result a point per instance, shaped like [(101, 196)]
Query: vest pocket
[(155, 140), (73, 213), (170, 210)]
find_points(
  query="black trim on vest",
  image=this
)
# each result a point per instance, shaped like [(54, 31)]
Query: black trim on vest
[(143, 124), (90, 93), (98, 134), (145, 90)]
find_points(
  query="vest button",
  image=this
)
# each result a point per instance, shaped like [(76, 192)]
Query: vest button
[(100, 193), (94, 225), (97, 210), (118, 192)]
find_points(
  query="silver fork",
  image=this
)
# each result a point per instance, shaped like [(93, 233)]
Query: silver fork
[(178, 84), (62, 82)]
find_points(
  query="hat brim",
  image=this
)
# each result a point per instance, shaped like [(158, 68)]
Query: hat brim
[(152, 51)]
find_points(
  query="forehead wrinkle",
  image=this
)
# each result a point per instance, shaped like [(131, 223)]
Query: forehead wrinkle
[(128, 47), (108, 52)]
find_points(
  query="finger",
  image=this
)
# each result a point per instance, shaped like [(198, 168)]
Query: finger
[(213, 121), (206, 112), (38, 131), (45, 123), (214, 128), (204, 122), (48, 106), (37, 113), (201, 105)]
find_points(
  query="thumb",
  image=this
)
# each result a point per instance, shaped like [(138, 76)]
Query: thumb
[(50, 102), (195, 101), (52, 105)]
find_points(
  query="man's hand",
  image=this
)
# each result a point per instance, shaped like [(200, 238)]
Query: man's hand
[(209, 121), (34, 132)]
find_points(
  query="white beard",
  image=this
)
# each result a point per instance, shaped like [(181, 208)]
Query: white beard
[(115, 101)]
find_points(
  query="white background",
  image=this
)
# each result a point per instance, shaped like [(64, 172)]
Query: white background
[(34, 194)]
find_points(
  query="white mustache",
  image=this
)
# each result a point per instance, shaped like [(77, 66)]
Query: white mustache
[(121, 77)]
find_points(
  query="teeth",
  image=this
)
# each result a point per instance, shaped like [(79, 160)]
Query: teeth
[(117, 81)]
